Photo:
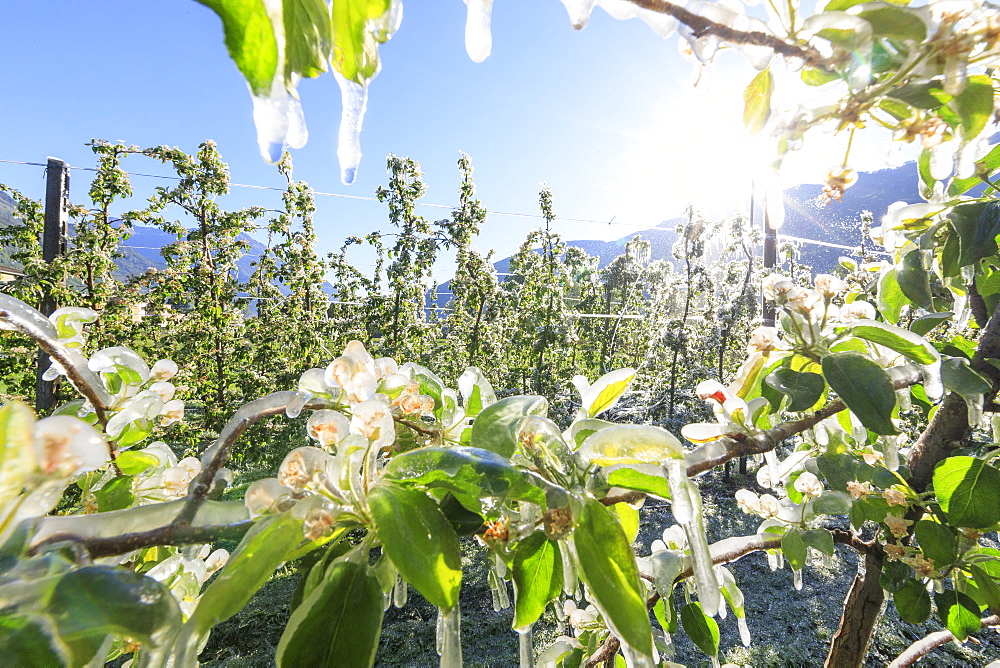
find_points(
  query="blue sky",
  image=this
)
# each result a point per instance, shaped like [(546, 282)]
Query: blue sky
[(605, 116)]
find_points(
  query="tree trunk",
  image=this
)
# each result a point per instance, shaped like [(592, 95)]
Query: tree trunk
[(862, 609)]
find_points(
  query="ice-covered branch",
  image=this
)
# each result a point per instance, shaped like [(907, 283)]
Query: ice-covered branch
[(217, 454), (710, 455), (701, 26), (170, 534), (929, 643)]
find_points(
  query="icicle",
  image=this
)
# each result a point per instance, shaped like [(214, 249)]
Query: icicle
[(797, 578), (635, 659), (701, 556), (933, 386), (955, 75), (942, 163), (772, 468), (449, 639), (974, 410), (715, 662), (827, 560), (297, 403), (903, 399), (478, 38), (680, 500), (525, 650), (386, 600), (353, 101), (579, 12), (498, 588), (569, 570), (995, 426), (399, 592), (741, 624)]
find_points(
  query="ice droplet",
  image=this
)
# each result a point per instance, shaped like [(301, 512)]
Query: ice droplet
[(974, 410), (525, 652), (478, 37), (579, 12), (797, 578), (297, 403), (680, 500), (741, 624), (279, 121), (701, 555), (353, 101), (903, 399)]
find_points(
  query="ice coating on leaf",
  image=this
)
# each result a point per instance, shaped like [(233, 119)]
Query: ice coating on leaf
[(701, 556), (399, 592), (14, 311), (478, 36), (69, 322), (145, 406), (665, 565), (841, 23), (974, 410), (353, 102), (108, 358), (579, 12), (797, 578), (632, 444), (677, 480)]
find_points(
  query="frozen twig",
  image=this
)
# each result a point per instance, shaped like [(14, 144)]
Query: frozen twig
[(932, 641)]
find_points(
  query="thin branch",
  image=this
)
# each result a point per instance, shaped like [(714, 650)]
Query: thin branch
[(710, 455), (169, 534), (218, 453), (929, 643), (701, 26), (627, 497)]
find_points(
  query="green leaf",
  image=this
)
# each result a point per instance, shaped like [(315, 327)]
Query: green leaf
[(841, 5), (250, 40), (470, 471), (98, 600), (307, 37), (32, 641), (958, 376), (985, 168), (495, 428), (865, 387), (969, 492), (895, 574), (607, 566), (817, 77), (974, 105), (608, 389), (987, 586), (832, 503), (700, 628), (820, 540), (977, 226), (640, 482), (958, 612), (355, 46), (890, 298), (418, 539), (913, 602), (914, 280), (802, 388), (134, 462), (538, 577), (464, 521), (937, 542), (116, 494), (794, 548), (630, 444), (628, 517), (896, 23), (903, 341), (338, 623), (926, 323), (757, 101), (262, 550)]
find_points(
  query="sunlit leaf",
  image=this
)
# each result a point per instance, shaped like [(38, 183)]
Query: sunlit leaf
[(495, 428), (418, 539), (913, 602), (903, 341), (937, 543), (250, 40), (640, 482), (865, 387), (969, 492), (757, 101), (700, 628), (958, 612), (538, 577), (803, 389)]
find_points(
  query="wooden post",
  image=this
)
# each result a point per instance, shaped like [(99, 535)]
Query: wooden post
[(53, 245), (770, 260)]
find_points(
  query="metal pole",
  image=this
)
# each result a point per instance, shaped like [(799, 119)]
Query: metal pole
[(53, 245)]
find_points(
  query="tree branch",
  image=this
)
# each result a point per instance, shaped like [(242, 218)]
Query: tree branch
[(929, 643), (710, 455), (700, 26), (169, 534)]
